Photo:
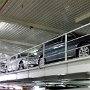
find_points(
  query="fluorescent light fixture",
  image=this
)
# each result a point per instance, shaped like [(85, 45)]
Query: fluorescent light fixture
[(85, 18)]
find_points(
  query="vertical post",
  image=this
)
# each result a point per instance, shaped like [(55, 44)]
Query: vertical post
[(43, 53), (65, 46), (16, 59), (41, 59), (7, 64)]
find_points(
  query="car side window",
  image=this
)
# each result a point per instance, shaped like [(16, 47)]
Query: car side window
[(62, 39), (71, 36), (54, 42)]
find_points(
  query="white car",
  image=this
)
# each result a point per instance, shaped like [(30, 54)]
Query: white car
[(21, 63)]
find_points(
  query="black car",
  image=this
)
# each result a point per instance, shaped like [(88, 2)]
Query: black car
[(77, 46)]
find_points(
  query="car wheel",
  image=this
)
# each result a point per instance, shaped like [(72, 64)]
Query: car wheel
[(21, 65), (41, 62), (84, 50)]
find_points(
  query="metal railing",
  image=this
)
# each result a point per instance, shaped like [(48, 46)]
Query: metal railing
[(62, 48)]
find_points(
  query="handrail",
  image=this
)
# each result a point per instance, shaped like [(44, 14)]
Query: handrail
[(54, 38), (42, 48), (78, 38)]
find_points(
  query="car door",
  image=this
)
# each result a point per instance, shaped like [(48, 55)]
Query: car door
[(55, 51), (71, 45)]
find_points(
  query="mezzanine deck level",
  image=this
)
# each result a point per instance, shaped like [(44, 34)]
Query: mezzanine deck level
[(78, 65)]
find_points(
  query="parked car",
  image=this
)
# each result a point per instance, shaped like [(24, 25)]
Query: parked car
[(22, 61), (77, 46)]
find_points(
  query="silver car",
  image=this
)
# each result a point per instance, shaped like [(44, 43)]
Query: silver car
[(21, 62)]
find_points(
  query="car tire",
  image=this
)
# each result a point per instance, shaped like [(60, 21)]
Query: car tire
[(83, 50), (21, 65), (41, 62)]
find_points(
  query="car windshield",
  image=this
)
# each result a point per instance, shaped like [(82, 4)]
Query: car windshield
[(30, 59)]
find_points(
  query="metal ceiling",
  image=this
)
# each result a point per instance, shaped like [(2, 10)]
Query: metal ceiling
[(58, 14), (15, 38), (20, 33), (48, 18)]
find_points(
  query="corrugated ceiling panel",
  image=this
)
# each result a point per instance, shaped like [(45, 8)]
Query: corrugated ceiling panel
[(58, 14), (20, 33), (16, 32), (10, 49)]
